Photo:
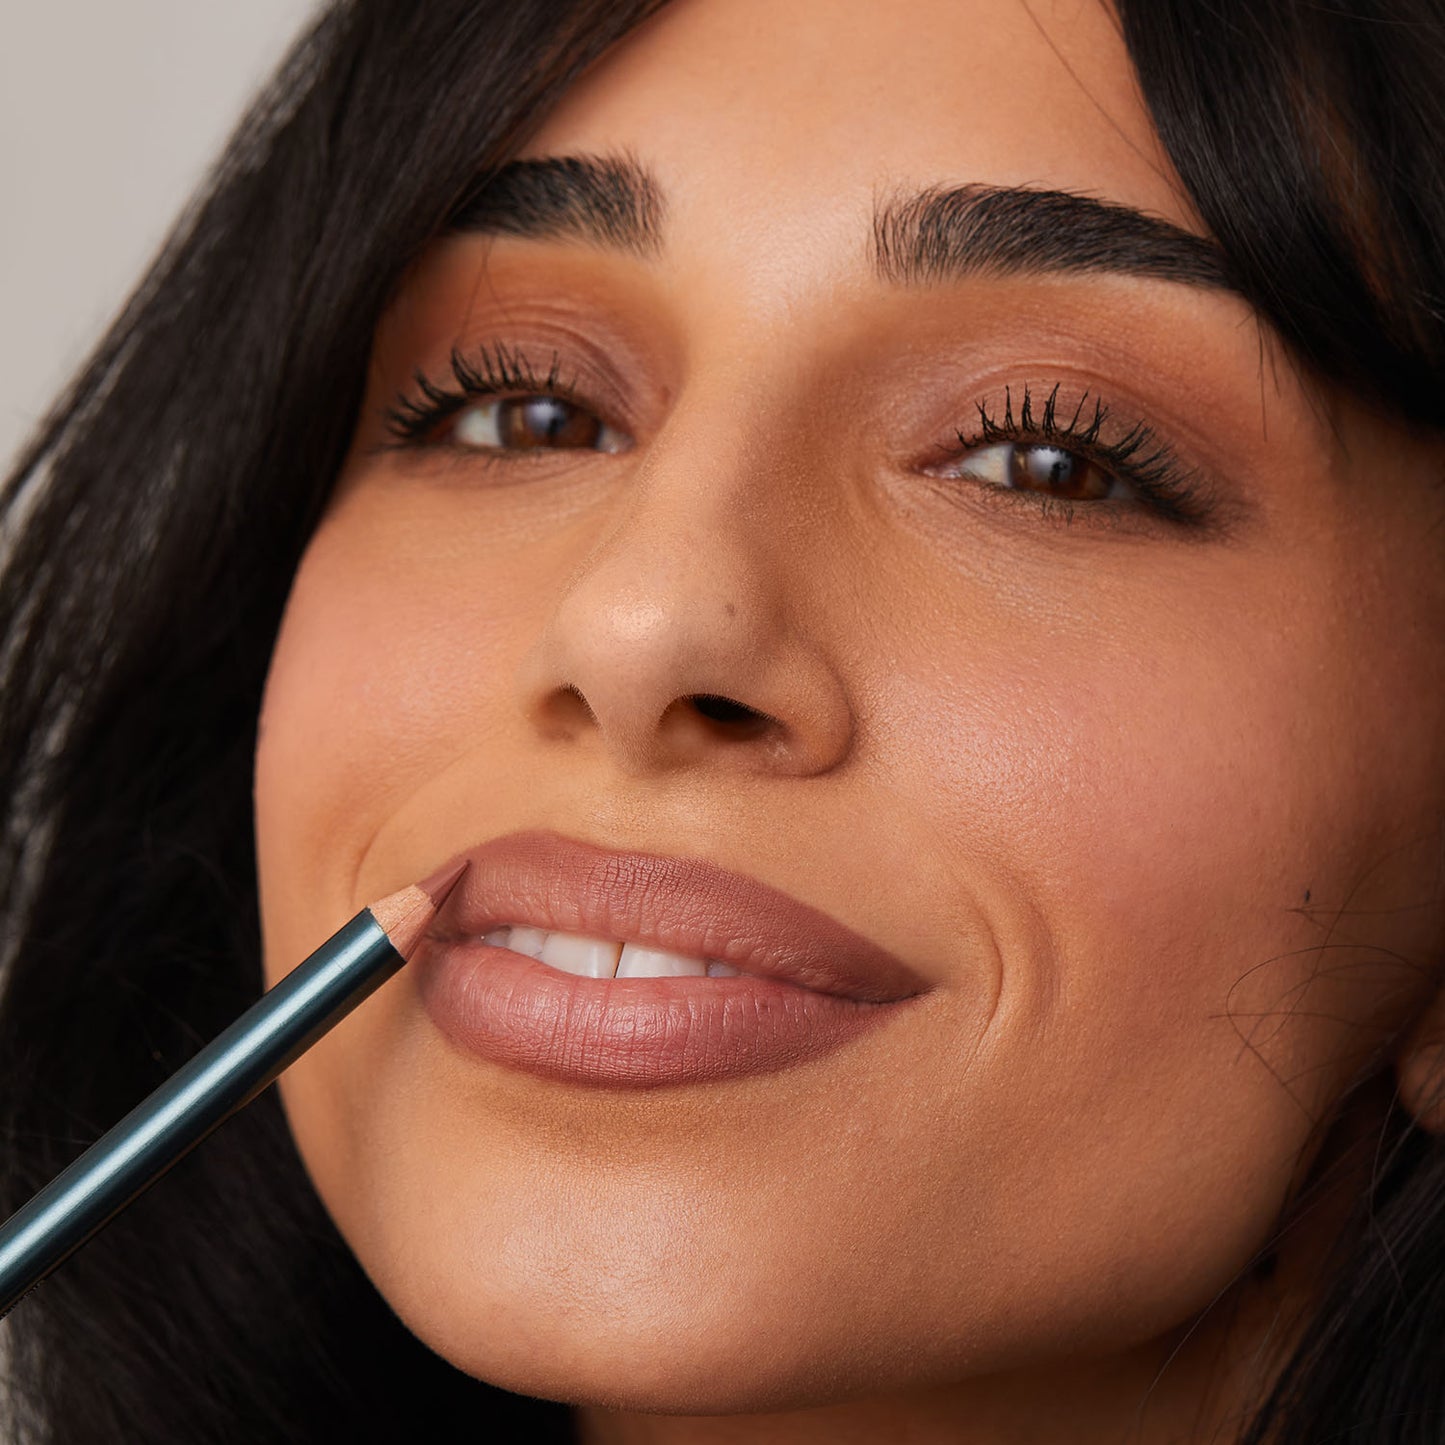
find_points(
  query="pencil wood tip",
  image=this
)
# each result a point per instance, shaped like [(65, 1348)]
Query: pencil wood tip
[(439, 884), (406, 915)]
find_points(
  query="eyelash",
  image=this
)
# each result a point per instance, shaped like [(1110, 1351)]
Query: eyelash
[(1138, 458), (496, 371)]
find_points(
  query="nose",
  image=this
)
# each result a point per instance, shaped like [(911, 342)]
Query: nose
[(685, 636)]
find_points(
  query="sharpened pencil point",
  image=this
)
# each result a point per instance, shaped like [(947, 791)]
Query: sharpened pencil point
[(406, 915), (440, 883)]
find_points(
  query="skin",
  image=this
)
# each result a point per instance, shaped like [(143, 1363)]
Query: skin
[(1154, 812)]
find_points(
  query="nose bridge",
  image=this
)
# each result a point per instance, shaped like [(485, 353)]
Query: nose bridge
[(697, 519), (665, 596), (691, 591)]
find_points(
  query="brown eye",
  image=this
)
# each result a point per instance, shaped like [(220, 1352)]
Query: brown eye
[(532, 423), (1062, 474), (1039, 467)]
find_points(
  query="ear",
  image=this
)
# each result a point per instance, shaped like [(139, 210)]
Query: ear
[(1420, 1067)]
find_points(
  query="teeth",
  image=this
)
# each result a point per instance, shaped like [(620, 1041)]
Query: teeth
[(528, 941), (601, 957), (640, 962), (572, 953)]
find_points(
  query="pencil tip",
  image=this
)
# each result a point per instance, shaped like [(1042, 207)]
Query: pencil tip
[(406, 914), (440, 883)]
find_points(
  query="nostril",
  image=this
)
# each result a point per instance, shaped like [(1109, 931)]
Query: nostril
[(724, 709)]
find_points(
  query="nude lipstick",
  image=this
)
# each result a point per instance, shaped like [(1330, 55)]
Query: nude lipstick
[(773, 982), (223, 1078)]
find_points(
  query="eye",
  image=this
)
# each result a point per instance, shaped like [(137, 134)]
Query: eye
[(1041, 467), (1066, 467), (532, 423), (500, 405)]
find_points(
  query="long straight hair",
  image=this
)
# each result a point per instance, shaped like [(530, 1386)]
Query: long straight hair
[(153, 527)]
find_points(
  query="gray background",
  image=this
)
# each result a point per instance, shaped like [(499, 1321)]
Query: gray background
[(110, 112)]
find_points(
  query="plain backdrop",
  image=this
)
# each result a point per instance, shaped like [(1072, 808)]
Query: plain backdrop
[(110, 113)]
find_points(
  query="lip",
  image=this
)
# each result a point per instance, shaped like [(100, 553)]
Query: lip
[(808, 982)]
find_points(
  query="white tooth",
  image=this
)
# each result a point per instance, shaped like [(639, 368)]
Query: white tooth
[(716, 968), (590, 957), (527, 940), (639, 962), (497, 936)]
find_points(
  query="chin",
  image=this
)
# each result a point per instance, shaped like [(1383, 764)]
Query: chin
[(656, 1357)]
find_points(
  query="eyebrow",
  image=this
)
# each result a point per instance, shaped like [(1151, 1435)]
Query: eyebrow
[(609, 201), (919, 239), (943, 235)]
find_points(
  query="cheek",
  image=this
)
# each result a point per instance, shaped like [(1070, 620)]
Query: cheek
[(1140, 816), (376, 694), (377, 686)]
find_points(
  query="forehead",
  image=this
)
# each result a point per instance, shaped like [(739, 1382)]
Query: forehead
[(798, 116)]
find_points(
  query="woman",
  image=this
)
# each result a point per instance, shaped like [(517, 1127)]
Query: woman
[(924, 519)]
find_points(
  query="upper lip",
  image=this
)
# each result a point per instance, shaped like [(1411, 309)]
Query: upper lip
[(685, 905)]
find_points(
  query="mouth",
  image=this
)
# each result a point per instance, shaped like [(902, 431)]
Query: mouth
[(580, 963)]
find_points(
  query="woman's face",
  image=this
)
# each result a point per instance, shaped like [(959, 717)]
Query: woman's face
[(1141, 793)]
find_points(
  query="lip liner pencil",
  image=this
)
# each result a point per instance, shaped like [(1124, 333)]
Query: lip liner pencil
[(223, 1078)]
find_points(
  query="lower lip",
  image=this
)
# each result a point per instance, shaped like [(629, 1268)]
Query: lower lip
[(628, 1033)]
